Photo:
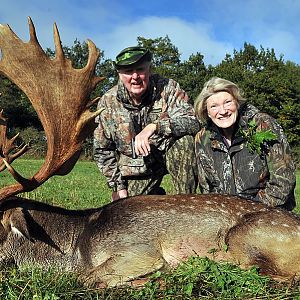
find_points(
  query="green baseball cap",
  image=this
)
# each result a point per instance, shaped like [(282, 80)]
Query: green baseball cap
[(132, 55)]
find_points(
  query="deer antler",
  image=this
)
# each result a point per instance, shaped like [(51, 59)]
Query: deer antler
[(59, 93), (8, 151)]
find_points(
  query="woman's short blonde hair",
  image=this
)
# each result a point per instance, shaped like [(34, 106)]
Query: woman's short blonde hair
[(211, 87)]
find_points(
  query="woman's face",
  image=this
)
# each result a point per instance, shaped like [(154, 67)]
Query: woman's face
[(136, 79), (222, 109)]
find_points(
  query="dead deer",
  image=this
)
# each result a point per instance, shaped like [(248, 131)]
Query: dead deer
[(131, 237)]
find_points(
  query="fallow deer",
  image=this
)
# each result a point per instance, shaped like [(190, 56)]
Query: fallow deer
[(131, 237)]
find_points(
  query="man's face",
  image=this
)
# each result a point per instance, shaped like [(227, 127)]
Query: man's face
[(136, 79)]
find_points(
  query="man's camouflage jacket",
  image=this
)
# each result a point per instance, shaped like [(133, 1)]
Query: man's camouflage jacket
[(164, 104)]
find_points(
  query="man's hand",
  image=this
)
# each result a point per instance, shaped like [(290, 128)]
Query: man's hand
[(119, 194), (142, 146)]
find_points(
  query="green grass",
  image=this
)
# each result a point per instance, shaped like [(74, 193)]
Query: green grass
[(82, 188), (198, 278)]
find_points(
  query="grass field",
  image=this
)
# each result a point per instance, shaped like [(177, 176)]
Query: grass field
[(82, 188), (198, 278)]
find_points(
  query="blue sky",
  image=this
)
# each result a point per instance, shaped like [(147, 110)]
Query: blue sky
[(213, 27)]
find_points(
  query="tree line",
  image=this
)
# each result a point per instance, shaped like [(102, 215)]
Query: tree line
[(267, 80)]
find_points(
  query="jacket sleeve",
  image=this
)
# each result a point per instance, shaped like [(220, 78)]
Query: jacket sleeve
[(178, 116), (105, 154), (209, 181), (280, 187)]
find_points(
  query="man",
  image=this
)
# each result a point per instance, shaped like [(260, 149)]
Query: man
[(145, 131)]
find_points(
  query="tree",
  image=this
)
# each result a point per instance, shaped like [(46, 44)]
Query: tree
[(166, 57), (166, 61), (192, 75), (269, 83), (16, 106)]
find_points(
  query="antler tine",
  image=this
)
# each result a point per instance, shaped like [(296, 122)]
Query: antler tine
[(21, 150), (93, 101), (10, 142), (92, 60), (2, 118), (32, 31), (58, 48), (19, 178), (93, 54), (59, 93), (8, 151)]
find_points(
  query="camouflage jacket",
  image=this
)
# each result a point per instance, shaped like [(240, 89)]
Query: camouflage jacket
[(164, 104), (268, 177)]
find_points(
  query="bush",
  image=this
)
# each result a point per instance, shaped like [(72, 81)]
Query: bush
[(296, 156), (35, 139)]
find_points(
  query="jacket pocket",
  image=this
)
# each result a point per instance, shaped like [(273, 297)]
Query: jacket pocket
[(132, 166)]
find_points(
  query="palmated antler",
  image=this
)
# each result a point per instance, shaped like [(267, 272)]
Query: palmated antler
[(8, 150), (59, 93)]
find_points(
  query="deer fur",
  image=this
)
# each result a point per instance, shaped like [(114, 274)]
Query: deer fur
[(136, 236)]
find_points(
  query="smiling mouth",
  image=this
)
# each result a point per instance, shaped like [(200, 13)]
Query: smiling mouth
[(136, 84), (224, 118)]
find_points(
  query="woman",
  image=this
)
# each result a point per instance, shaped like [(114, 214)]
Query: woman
[(240, 150)]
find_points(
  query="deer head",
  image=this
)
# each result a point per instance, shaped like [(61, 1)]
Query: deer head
[(60, 95)]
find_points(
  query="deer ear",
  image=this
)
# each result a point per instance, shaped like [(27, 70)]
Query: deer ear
[(19, 224)]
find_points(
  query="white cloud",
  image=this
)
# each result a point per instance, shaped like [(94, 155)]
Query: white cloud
[(187, 37), (212, 28), (284, 43)]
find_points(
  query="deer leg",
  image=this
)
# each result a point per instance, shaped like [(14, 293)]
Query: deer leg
[(124, 266), (269, 240)]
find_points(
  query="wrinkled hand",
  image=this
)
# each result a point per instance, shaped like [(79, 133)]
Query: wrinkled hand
[(119, 194), (142, 145)]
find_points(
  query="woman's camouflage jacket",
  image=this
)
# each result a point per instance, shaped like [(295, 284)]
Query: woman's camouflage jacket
[(268, 177)]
